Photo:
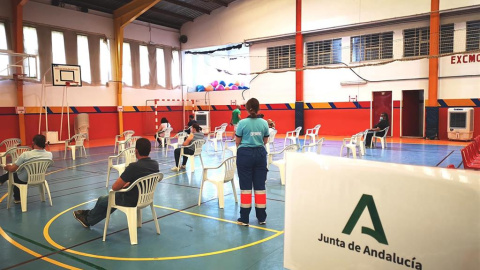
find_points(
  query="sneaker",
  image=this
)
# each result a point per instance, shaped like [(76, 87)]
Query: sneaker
[(241, 223), (175, 169), (80, 215), (15, 201), (182, 167), (262, 222)]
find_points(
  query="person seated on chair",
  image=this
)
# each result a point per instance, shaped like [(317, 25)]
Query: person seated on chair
[(380, 126), (196, 134), (135, 170), (191, 121), (164, 124), (21, 176)]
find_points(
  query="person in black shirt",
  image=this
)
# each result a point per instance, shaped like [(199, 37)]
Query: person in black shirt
[(191, 121), (380, 126), (143, 167)]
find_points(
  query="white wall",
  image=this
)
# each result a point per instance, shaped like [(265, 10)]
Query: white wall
[(323, 85), (42, 13), (248, 19), (242, 19)]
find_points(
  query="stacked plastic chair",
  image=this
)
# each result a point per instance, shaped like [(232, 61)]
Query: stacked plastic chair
[(471, 155)]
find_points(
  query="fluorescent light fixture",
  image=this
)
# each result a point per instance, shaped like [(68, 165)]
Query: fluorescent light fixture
[(352, 82)]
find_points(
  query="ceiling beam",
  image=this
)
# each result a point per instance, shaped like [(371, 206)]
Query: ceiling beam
[(130, 11), (220, 2), (171, 14), (190, 6), (87, 4)]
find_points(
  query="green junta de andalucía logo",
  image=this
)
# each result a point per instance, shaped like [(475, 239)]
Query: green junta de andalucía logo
[(366, 201)]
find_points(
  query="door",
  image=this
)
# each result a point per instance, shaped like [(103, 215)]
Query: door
[(412, 113), (382, 102)]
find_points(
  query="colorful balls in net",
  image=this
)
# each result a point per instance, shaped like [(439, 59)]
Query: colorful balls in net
[(209, 88), (200, 88), (220, 88), (222, 83)]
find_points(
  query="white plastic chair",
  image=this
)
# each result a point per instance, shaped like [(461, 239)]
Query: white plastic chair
[(217, 136), (181, 136), (271, 140), (233, 148), (292, 136), (353, 143), (311, 135), (36, 170), (146, 188), (130, 142), (121, 143), (79, 139), (8, 143), (227, 173), (282, 162), (84, 130), (166, 134), (317, 146), (383, 139), (198, 152), (129, 157)]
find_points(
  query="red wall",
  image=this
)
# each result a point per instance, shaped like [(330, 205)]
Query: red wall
[(104, 124)]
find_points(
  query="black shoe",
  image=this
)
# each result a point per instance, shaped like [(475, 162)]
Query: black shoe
[(262, 222), (239, 222), (81, 216), (15, 201)]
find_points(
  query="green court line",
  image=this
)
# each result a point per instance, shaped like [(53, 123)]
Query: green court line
[(56, 251)]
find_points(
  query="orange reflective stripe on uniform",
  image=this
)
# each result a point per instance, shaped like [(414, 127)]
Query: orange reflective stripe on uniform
[(246, 198), (260, 198)]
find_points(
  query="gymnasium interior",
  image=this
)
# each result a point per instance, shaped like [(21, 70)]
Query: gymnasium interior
[(94, 76)]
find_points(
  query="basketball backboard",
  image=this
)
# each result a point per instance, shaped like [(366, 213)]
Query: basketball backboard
[(66, 75)]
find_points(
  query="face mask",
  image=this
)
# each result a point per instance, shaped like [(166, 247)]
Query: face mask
[(381, 118)]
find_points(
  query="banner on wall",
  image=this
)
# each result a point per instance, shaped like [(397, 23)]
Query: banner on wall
[(343, 213)]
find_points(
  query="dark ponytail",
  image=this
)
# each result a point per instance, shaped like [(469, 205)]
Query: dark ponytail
[(252, 106)]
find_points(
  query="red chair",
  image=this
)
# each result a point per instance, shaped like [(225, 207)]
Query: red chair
[(468, 159)]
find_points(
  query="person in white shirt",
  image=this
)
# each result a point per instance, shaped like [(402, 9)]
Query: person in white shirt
[(21, 176), (164, 124)]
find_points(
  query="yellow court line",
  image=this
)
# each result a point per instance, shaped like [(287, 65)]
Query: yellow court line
[(58, 246), (3, 197), (219, 219), (31, 252)]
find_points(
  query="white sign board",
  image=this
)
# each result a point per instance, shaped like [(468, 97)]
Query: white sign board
[(343, 213)]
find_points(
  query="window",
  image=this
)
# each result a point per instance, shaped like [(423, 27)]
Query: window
[(324, 52), (30, 46), (105, 61), (127, 65), (446, 38), (281, 57), (84, 58), (175, 68), (473, 35), (372, 47), (144, 66), (58, 48), (4, 62), (417, 40), (160, 67)]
